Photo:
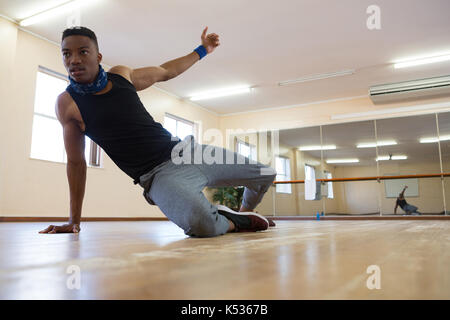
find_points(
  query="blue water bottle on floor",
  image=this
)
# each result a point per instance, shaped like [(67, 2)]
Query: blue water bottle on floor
[(318, 215)]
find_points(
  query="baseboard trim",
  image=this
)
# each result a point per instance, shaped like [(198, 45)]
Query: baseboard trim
[(288, 218), (399, 217), (85, 219)]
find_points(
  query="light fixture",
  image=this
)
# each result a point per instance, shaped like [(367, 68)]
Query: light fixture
[(434, 139), (312, 163), (313, 148), (379, 144), (342, 160), (399, 157), (220, 93), (50, 13), (420, 61), (317, 77)]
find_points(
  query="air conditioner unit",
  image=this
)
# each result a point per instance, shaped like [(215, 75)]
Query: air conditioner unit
[(411, 90)]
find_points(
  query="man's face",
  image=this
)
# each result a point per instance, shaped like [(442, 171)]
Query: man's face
[(81, 58)]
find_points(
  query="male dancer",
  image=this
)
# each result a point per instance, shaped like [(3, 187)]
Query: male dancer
[(106, 107), (408, 208)]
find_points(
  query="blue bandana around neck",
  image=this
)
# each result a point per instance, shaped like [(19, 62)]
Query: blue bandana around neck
[(89, 88)]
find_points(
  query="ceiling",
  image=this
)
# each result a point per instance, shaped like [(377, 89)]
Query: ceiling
[(262, 43)]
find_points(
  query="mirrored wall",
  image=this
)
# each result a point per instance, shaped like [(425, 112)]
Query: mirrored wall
[(369, 163)]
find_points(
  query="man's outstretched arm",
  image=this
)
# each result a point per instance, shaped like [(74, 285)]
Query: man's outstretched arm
[(403, 191), (74, 142), (143, 78)]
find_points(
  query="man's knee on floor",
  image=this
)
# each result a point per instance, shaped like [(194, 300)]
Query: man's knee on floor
[(203, 226)]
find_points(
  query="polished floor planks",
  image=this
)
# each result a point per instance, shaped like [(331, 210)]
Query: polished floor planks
[(295, 260)]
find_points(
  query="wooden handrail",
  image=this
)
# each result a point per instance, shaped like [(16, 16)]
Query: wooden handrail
[(431, 175)]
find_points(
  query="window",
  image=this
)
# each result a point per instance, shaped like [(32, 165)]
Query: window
[(179, 127), (330, 194), (310, 183), (283, 168), (246, 149), (47, 142)]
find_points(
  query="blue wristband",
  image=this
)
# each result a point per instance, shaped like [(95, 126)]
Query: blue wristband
[(201, 50)]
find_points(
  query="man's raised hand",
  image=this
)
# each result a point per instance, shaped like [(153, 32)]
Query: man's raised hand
[(210, 41)]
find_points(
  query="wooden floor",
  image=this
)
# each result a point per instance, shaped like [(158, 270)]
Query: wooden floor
[(295, 260)]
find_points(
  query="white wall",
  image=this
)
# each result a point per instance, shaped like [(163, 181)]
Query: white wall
[(30, 187), (39, 188)]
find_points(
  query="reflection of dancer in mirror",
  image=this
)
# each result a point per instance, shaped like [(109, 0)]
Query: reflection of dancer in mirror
[(408, 208)]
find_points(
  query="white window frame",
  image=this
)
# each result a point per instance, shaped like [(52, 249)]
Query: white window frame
[(96, 156), (178, 119), (310, 184), (284, 176), (253, 151), (330, 194)]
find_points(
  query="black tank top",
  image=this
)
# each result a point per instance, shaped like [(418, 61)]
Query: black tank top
[(401, 203), (119, 123)]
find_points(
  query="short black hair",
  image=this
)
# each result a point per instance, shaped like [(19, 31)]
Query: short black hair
[(80, 31)]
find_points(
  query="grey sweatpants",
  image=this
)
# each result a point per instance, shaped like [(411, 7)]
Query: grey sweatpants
[(176, 185), (409, 208)]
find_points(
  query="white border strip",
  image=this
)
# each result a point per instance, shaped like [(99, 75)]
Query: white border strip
[(9, 19), (38, 36), (177, 118), (422, 107), (53, 73), (295, 105)]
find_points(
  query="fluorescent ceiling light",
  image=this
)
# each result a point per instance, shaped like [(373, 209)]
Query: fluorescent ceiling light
[(418, 62), (399, 157), (56, 11), (342, 160), (379, 144), (317, 77), (313, 163), (220, 93), (434, 139), (312, 148)]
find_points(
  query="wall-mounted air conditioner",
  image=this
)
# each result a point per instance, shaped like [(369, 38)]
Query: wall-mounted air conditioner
[(411, 90)]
